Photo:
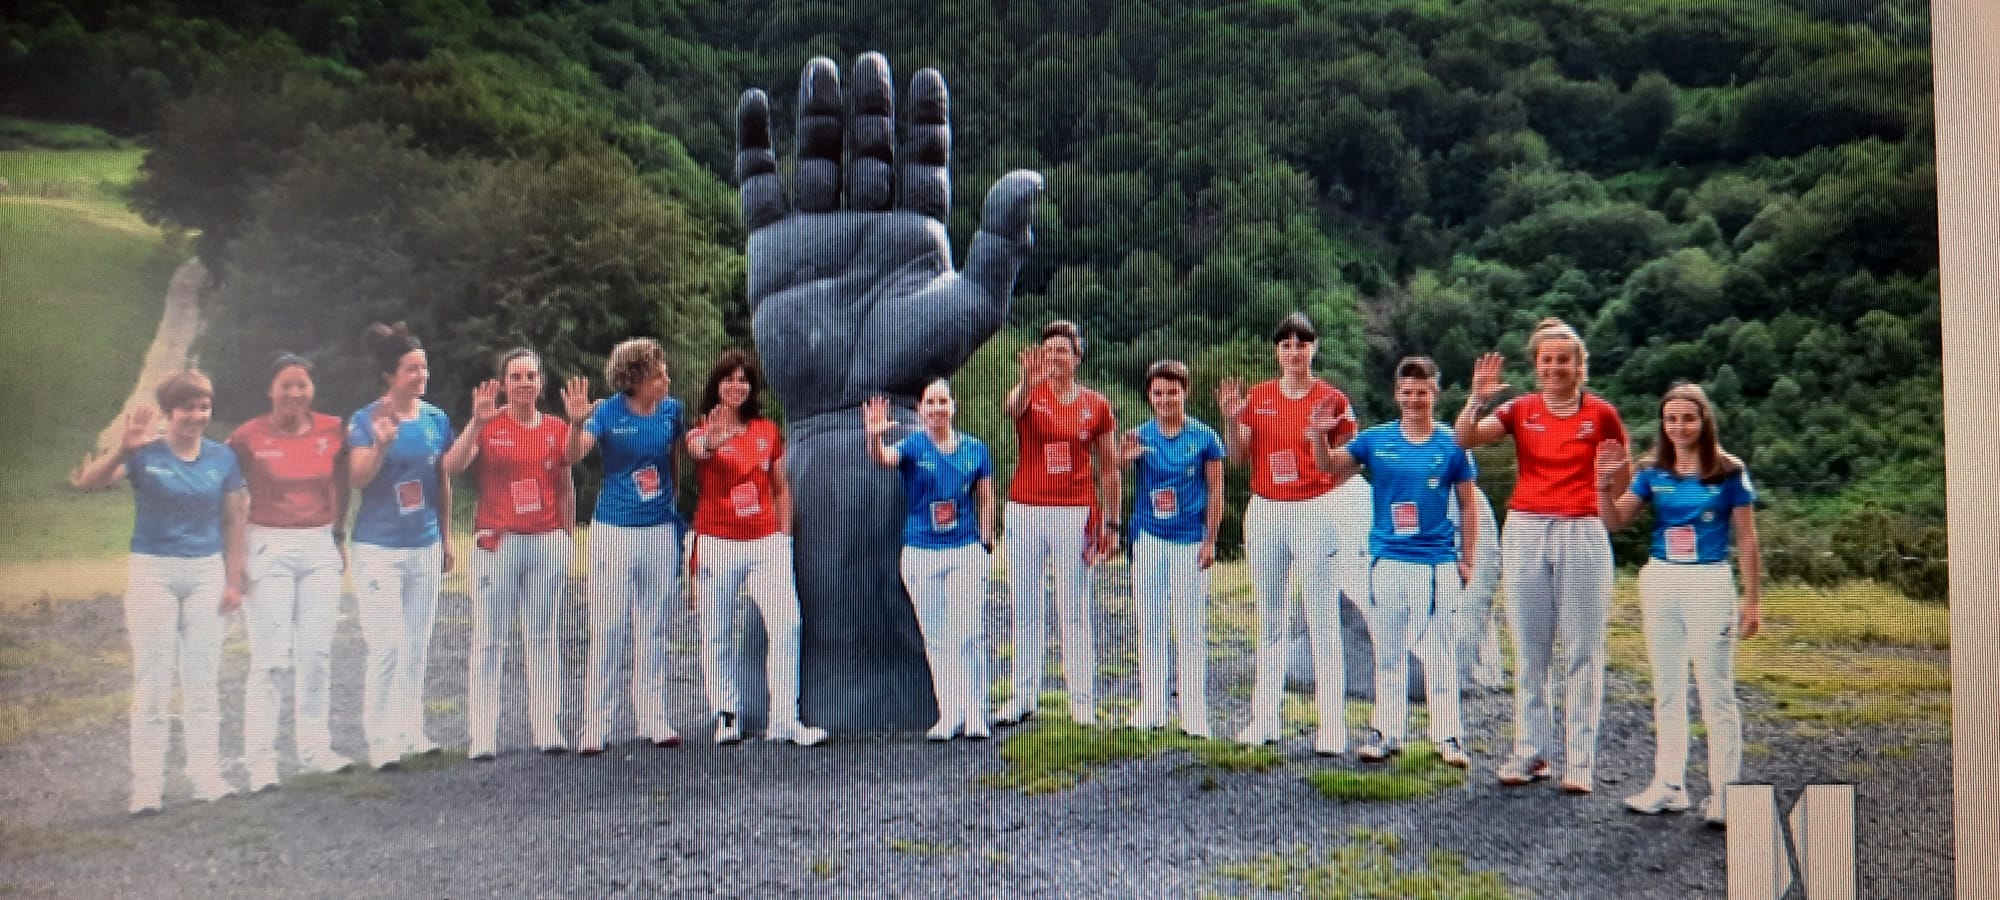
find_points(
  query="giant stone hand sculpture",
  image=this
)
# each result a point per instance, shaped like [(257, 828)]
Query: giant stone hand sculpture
[(850, 302)]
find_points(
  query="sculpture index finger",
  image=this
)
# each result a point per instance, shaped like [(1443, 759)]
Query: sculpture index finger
[(763, 191), (872, 142), (926, 151)]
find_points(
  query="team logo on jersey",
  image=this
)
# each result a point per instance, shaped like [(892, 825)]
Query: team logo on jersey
[(1708, 515), (1432, 484), (1586, 429), (1265, 411), (270, 453), (1534, 423), (625, 429), (1085, 414), (320, 446)]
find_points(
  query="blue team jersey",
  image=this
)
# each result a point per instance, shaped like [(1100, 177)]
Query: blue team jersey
[(400, 507), (1412, 484), (938, 488), (638, 453), (1691, 519), (178, 504), (1172, 499)]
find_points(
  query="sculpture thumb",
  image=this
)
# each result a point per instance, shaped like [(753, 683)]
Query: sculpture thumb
[(1006, 233)]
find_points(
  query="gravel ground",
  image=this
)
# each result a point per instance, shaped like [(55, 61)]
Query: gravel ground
[(866, 815)]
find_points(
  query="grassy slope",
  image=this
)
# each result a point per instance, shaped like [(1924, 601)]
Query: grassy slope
[(81, 286)]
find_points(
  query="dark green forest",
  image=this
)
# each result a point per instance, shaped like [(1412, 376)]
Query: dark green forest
[(1731, 192)]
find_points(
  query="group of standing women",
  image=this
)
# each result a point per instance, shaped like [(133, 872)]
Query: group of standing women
[(260, 523), (1405, 551)]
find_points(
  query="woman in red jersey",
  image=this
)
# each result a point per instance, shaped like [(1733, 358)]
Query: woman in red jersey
[(520, 548), (1062, 427), (1557, 554), (293, 461), (743, 540), (1295, 530)]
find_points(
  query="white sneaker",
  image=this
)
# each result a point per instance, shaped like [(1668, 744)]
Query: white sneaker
[(210, 788), (726, 730), (1658, 798), (1147, 720), (1713, 813), (145, 804), (944, 730), (1332, 743), (263, 776), (1257, 734), (1014, 712), (977, 731), (1196, 730), (324, 762), (798, 733), (422, 746), (665, 737), (1452, 753), (481, 754)]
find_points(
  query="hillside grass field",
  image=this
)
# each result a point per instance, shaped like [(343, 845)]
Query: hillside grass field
[(82, 288)]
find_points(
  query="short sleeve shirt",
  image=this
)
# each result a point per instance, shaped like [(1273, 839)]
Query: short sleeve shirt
[(1558, 456), (637, 451), (1056, 440), (1691, 519), (400, 507), (290, 475), (519, 468), (177, 503), (1281, 461), (1172, 499), (938, 486), (1412, 486), (736, 493)]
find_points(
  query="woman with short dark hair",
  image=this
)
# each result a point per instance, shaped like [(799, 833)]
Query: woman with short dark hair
[(186, 576)]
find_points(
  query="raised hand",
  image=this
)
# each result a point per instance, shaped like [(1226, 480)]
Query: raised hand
[(852, 301), (138, 430), (1129, 448), (1323, 420), (717, 429), (486, 401), (576, 399), (1229, 397), (1486, 381), (383, 424), (875, 417), (1612, 461), (1034, 366)]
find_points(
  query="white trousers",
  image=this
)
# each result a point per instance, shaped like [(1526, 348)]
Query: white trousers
[(528, 574), (1413, 607), (1044, 541), (763, 566), (396, 590), (948, 589), (635, 577), (290, 613), (174, 620), (1690, 612), (1292, 544), (1169, 585), (1558, 583)]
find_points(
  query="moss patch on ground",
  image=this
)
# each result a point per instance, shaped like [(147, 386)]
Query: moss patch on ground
[(1364, 864)]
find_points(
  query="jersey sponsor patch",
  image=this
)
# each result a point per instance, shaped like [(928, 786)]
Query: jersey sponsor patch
[(744, 498), (410, 496), (1055, 458), (1681, 544), (944, 515), (527, 496), (1165, 503), (646, 481), (1284, 467), (1404, 516)]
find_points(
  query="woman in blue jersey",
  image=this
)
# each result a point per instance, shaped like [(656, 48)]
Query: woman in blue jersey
[(1422, 562), (947, 554), (402, 540), (1176, 515), (1701, 499), (635, 554), (185, 577)]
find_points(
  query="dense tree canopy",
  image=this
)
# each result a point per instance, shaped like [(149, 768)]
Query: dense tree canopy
[(1738, 194)]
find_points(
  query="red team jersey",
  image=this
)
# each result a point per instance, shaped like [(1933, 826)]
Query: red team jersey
[(1056, 440), (519, 468), (736, 498), (1281, 460), (1557, 455), (290, 475)]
